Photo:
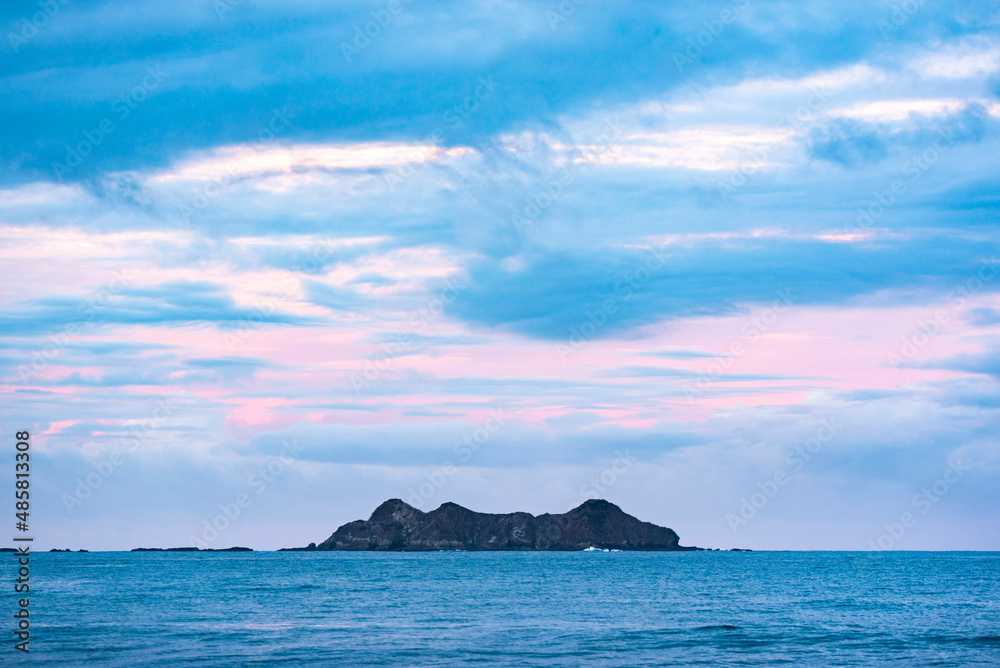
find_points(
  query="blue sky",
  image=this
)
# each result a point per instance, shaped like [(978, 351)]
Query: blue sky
[(658, 244)]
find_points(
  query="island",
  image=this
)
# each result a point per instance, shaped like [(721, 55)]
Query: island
[(191, 549), (596, 523)]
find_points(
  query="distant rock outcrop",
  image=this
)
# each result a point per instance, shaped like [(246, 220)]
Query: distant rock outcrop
[(191, 549), (398, 526)]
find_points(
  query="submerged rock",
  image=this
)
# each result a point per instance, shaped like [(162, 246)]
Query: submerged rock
[(398, 526)]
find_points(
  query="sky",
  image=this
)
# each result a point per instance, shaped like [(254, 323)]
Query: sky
[(733, 266)]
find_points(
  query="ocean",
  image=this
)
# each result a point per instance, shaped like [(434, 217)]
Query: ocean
[(512, 609)]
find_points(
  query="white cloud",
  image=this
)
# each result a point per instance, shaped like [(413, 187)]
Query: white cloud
[(963, 61)]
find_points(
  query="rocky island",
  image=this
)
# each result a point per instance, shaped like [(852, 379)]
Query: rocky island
[(398, 526)]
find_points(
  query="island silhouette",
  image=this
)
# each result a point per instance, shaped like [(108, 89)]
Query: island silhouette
[(397, 526)]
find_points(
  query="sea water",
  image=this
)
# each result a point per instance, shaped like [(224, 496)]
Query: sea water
[(512, 609)]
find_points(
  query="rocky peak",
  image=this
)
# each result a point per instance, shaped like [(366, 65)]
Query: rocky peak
[(596, 506), (394, 510)]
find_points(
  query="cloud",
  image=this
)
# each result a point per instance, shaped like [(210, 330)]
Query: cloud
[(847, 143), (266, 57), (984, 316), (850, 142), (885, 450), (173, 303), (986, 362), (682, 354), (231, 367), (335, 299), (265, 181), (551, 296)]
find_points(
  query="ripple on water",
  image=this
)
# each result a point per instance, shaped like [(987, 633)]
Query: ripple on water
[(499, 609)]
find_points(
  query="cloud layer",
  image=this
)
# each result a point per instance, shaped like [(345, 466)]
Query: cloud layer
[(488, 252)]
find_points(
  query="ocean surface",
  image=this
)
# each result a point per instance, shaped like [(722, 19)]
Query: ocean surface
[(512, 609)]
